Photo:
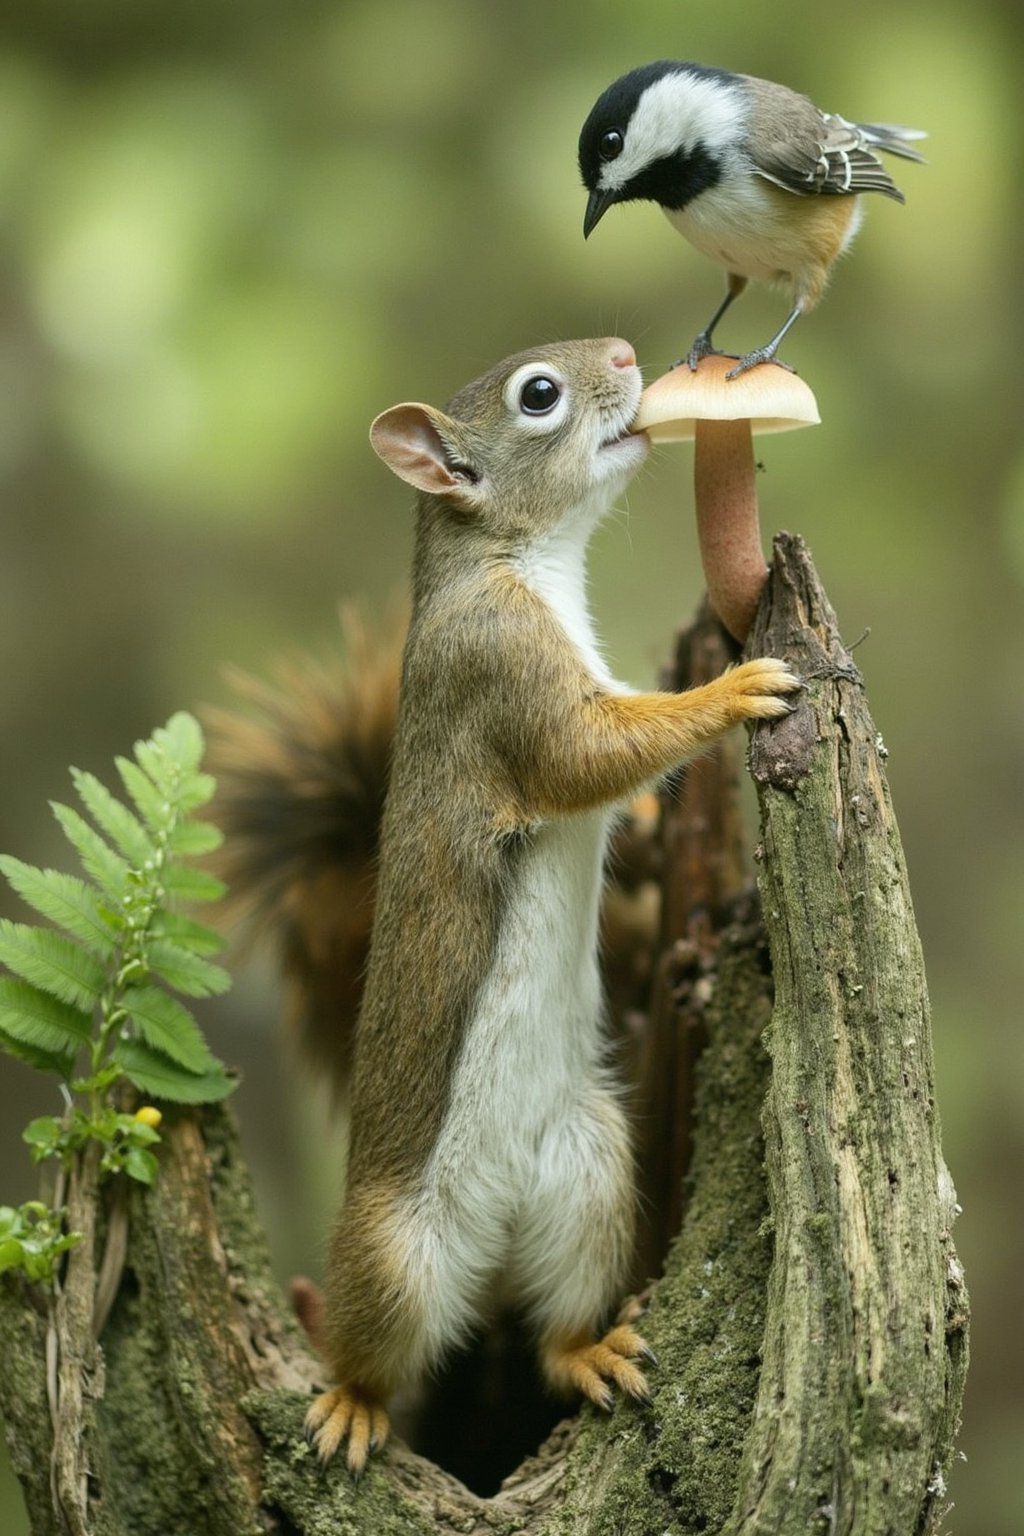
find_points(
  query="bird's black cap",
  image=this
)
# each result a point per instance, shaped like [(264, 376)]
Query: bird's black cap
[(616, 105)]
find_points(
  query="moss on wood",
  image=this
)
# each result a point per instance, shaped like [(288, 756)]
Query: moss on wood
[(811, 1321), (858, 1398)]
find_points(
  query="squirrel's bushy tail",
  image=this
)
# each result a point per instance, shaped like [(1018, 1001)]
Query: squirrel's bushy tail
[(302, 777)]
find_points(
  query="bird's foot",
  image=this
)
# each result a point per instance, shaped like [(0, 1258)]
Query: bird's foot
[(755, 358), (701, 348)]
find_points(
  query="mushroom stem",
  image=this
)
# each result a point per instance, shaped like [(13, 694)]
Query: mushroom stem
[(727, 521), (722, 413)]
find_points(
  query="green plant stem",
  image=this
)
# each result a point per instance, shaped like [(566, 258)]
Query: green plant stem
[(132, 956)]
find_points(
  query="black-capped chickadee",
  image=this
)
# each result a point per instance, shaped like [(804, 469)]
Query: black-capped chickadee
[(753, 175)]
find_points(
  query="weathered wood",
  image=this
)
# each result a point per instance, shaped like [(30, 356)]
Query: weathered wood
[(705, 865), (77, 1374), (865, 1346), (810, 1322), (147, 1424)]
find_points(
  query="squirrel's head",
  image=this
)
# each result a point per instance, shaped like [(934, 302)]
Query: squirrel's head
[(540, 439)]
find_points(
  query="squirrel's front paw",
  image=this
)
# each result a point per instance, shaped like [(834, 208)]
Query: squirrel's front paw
[(594, 1366), (347, 1411), (759, 688)]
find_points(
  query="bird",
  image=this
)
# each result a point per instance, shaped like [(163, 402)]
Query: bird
[(751, 173)]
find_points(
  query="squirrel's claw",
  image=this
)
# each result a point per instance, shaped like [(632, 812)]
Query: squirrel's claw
[(347, 1412), (595, 1366)]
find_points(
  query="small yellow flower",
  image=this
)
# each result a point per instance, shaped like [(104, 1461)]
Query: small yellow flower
[(149, 1115)]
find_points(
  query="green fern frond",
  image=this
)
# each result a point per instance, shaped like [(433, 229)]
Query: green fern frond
[(106, 868), (53, 963), (125, 831), (64, 900), (103, 985), (154, 1073), (37, 1019), (186, 972)]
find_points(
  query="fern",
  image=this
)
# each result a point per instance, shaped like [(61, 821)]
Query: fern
[(92, 992), (97, 994)]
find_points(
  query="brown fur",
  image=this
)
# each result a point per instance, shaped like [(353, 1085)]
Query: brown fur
[(500, 726), (301, 783), (302, 778), (494, 747)]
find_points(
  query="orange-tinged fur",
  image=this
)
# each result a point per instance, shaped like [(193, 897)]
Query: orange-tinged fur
[(580, 1363), (769, 234), (301, 782), (489, 1158)]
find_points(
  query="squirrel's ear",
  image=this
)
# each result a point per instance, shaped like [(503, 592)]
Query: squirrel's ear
[(414, 442)]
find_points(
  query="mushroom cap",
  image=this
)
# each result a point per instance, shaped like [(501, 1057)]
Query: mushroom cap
[(768, 396)]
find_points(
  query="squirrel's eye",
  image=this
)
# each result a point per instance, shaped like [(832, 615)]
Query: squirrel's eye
[(611, 144), (539, 395)]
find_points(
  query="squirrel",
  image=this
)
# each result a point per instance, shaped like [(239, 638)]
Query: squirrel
[(302, 777), (490, 1159), (301, 782)]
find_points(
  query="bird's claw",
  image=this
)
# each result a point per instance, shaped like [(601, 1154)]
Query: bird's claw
[(693, 361), (701, 349), (755, 358)]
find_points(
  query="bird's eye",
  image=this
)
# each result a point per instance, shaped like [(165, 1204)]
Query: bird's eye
[(539, 395), (611, 144)]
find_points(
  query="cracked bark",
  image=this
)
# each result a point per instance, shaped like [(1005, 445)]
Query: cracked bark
[(811, 1319)]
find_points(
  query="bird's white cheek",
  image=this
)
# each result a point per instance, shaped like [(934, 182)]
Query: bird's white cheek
[(612, 178)]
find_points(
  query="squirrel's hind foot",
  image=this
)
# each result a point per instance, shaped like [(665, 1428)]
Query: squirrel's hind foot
[(594, 1366), (347, 1411)]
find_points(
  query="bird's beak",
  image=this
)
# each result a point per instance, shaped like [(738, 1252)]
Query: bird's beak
[(598, 204)]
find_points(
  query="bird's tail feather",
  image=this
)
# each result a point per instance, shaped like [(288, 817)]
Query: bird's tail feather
[(893, 139)]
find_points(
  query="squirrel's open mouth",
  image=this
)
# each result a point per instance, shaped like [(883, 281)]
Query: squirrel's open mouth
[(624, 435), (620, 426)]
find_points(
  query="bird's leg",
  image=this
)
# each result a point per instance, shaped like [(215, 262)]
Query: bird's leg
[(766, 354), (702, 344)]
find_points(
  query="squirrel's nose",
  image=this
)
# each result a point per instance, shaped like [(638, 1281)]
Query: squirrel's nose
[(621, 355)]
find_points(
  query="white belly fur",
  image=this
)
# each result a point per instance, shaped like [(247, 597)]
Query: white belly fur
[(533, 1165), (528, 1193)]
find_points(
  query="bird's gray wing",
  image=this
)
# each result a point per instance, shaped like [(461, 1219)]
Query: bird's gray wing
[(809, 152)]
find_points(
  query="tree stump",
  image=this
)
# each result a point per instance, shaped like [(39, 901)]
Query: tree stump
[(810, 1321)]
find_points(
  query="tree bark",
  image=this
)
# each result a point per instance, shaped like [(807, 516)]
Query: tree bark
[(810, 1323)]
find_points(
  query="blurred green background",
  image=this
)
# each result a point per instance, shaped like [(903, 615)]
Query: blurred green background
[(229, 235)]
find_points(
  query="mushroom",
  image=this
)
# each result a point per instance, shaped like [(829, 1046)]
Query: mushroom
[(721, 414)]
